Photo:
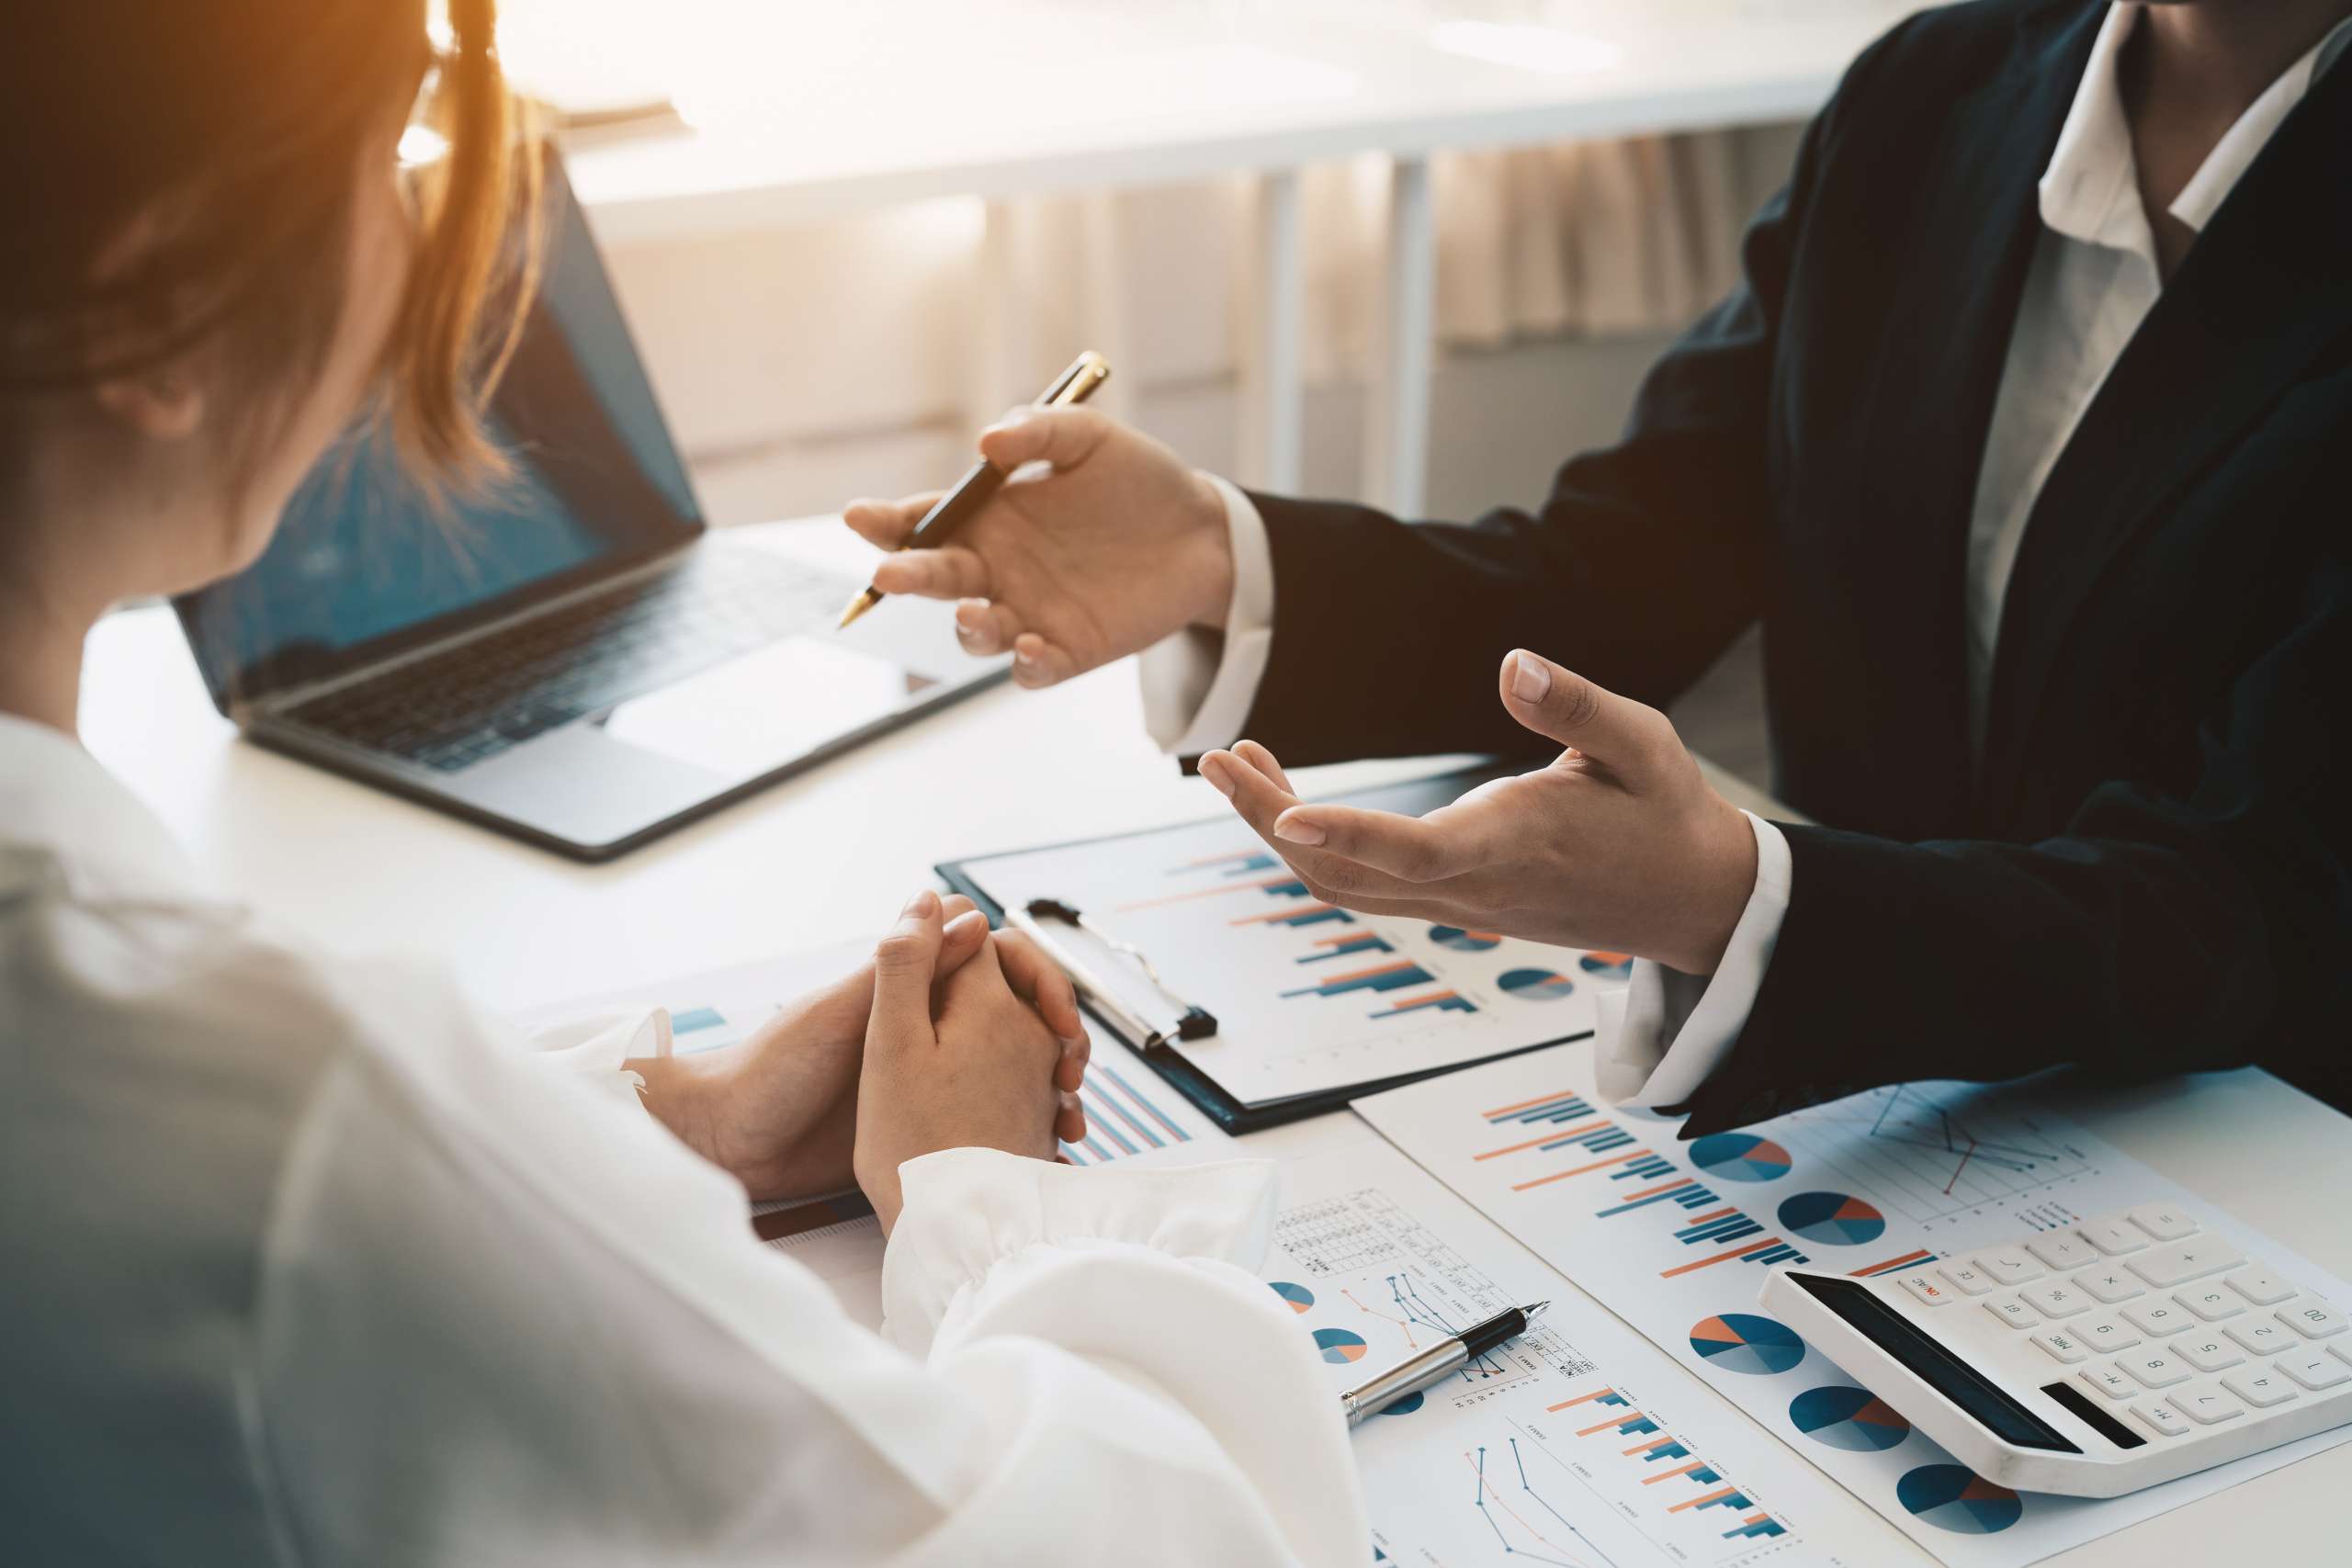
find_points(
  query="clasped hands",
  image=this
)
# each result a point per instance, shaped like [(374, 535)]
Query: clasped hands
[(951, 1037)]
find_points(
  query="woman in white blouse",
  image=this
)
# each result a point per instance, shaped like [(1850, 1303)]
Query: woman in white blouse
[(303, 1261)]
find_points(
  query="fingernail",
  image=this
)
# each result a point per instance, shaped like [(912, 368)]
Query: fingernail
[(1215, 772), (1024, 657), (924, 905), (1529, 677), (1295, 830)]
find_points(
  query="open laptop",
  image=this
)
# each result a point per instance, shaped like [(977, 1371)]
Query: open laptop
[(576, 661)]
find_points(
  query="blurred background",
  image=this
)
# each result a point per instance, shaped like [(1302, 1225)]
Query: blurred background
[(1416, 252)]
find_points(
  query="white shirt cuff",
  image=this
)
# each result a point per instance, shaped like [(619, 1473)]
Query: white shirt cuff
[(596, 1046), (968, 1210), (1666, 1032), (1199, 685)]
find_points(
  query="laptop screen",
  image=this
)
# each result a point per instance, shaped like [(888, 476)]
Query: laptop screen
[(360, 568)]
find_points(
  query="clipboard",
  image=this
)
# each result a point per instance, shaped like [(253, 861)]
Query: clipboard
[(1121, 986)]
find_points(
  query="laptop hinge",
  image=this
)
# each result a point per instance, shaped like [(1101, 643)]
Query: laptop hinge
[(246, 714)]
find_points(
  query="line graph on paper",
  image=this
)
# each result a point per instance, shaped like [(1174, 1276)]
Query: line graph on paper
[(1540, 1479), (1931, 1154), (1374, 1283)]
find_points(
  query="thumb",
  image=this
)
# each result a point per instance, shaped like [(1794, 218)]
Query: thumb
[(1064, 437), (904, 962), (1565, 707)]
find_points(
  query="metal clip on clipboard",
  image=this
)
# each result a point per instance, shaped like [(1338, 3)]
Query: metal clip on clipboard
[(1143, 1010)]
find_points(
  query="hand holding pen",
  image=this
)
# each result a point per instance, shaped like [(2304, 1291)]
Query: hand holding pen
[(1106, 544), (981, 481)]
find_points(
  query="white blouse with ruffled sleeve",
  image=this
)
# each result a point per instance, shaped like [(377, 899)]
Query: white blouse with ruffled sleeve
[(309, 1263)]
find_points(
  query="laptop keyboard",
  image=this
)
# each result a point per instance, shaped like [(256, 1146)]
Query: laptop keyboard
[(452, 709)]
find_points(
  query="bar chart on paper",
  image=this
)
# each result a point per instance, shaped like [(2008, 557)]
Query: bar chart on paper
[(1307, 996), (1576, 1444), (1677, 1236)]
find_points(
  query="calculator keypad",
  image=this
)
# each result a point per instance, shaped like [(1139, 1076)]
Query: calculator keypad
[(2151, 1315), (2312, 1318)]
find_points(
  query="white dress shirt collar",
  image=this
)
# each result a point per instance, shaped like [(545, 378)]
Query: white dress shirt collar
[(2090, 191)]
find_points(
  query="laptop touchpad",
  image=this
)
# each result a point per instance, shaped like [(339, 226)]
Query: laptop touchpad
[(759, 712)]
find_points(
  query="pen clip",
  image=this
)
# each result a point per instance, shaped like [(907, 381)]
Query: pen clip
[(1166, 1019)]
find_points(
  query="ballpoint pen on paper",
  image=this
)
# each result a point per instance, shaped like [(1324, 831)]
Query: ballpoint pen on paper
[(1073, 385), (1436, 1363)]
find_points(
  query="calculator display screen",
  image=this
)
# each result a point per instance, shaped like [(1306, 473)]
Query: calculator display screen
[(1991, 1405)]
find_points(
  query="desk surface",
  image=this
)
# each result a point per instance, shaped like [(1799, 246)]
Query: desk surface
[(830, 854), (807, 116)]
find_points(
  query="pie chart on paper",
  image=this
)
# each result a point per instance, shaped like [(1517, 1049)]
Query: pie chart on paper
[(1852, 1418), (1607, 965), (1740, 1156), (1299, 1297), (1340, 1345), (1536, 985), (1462, 940), (1832, 1219), (1742, 1342), (1953, 1497)]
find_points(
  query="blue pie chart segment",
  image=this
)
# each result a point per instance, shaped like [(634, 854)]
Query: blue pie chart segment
[(1299, 1297), (1740, 1156), (1404, 1406), (1832, 1219), (1536, 985), (1461, 941), (1340, 1345), (1852, 1418), (1953, 1497), (1607, 965), (1742, 1342)]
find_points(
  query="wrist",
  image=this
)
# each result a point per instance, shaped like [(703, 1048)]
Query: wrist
[(878, 1179), (1208, 557), (1722, 884)]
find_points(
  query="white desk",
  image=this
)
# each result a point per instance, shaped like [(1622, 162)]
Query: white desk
[(835, 852), (862, 109)]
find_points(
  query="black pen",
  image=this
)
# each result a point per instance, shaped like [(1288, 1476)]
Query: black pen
[(1073, 385), (1439, 1361)]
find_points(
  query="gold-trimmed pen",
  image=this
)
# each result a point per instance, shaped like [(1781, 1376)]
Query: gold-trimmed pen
[(1072, 387)]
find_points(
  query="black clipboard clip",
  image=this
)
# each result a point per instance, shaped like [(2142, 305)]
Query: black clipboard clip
[(1149, 1021)]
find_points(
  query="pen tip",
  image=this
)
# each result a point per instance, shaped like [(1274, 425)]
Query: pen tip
[(1535, 1311), (858, 606)]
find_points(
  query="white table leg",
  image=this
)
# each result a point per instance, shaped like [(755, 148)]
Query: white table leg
[(1397, 426), (1273, 388)]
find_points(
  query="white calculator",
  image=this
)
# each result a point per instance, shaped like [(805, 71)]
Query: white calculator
[(2089, 1361)]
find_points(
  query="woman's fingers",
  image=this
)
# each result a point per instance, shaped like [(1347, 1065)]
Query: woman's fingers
[(1333, 877), (1069, 1073), (1069, 1121), (1062, 436), (1038, 664), (962, 935), (904, 964), (888, 523), (1555, 702), (985, 628), (949, 572), (1257, 757), (1409, 848), (1039, 981)]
